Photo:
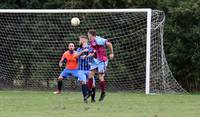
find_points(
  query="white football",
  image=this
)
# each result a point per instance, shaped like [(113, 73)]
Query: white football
[(75, 21)]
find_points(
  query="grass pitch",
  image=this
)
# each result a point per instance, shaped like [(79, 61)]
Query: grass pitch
[(116, 104)]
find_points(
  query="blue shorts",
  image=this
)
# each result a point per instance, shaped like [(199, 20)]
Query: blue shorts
[(66, 73), (99, 65), (84, 75)]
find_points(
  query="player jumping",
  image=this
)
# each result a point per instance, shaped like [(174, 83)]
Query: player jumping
[(100, 61)]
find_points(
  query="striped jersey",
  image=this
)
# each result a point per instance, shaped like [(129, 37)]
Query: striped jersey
[(84, 63)]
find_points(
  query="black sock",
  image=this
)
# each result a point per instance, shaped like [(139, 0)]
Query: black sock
[(59, 85), (84, 89), (93, 93)]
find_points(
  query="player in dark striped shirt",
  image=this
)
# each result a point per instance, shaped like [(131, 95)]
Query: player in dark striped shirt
[(84, 66)]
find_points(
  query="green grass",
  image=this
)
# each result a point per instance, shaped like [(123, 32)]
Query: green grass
[(118, 104)]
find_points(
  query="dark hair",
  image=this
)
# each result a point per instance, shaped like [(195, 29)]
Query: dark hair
[(92, 32), (71, 43), (83, 36)]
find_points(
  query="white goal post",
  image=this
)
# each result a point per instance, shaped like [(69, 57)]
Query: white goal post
[(169, 83)]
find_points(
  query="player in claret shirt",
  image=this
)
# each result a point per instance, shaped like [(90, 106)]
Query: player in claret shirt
[(100, 61)]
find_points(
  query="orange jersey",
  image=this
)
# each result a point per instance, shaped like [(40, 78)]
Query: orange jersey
[(71, 59)]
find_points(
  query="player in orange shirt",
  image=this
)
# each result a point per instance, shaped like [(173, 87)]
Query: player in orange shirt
[(71, 68)]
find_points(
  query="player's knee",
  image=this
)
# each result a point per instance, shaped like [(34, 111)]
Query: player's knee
[(83, 82), (60, 78), (92, 72), (101, 77), (93, 85), (91, 76)]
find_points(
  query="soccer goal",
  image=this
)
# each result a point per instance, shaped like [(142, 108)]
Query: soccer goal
[(32, 42)]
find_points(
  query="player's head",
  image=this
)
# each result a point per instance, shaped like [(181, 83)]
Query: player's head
[(83, 39), (92, 33), (71, 46)]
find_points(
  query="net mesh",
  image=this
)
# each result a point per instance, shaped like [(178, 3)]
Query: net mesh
[(31, 45)]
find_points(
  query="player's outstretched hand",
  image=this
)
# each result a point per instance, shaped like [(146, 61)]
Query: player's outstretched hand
[(111, 56), (60, 64)]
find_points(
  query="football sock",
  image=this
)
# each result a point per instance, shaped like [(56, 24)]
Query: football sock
[(59, 85), (102, 86), (93, 93), (90, 83)]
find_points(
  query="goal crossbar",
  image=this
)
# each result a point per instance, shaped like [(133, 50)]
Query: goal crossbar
[(71, 10)]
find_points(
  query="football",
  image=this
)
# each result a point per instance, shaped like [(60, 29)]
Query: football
[(75, 21)]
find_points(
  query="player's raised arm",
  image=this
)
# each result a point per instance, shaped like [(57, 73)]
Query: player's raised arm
[(80, 53), (61, 60), (109, 44)]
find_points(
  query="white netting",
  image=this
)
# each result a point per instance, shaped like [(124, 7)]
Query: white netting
[(31, 45)]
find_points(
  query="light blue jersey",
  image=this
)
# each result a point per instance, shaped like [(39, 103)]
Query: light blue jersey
[(101, 41)]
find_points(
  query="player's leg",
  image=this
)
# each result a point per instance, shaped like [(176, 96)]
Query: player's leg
[(93, 91), (90, 83), (102, 69), (102, 85), (90, 79), (63, 75), (59, 85), (82, 78), (87, 73), (93, 70)]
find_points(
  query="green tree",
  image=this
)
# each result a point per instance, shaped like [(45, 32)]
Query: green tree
[(32, 4)]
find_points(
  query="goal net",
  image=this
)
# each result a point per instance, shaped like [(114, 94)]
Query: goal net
[(33, 41)]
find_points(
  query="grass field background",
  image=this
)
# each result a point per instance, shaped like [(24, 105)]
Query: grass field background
[(116, 104)]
